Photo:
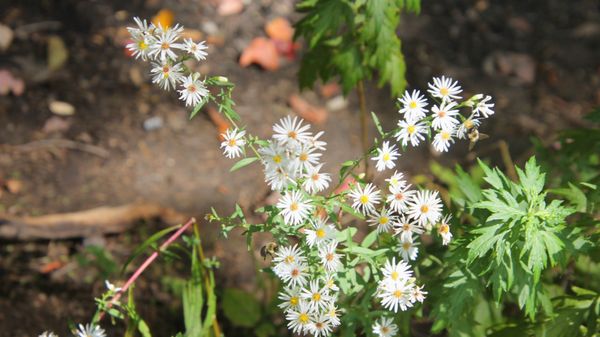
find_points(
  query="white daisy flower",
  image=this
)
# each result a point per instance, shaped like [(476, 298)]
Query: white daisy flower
[(140, 46), (329, 281), (111, 287), (333, 315), (413, 105), (411, 131), (397, 179), (417, 294), (285, 257), (306, 158), (444, 230), (90, 330), (385, 327), (386, 156), (443, 140), (273, 156), (164, 43), (316, 143), (195, 49), (484, 108), (320, 326), (365, 199), (279, 179), (425, 207), (290, 298), (398, 197), (384, 220), (141, 29), (294, 208), (466, 126), (395, 295), (445, 88), (291, 131), (315, 180), (48, 334), (406, 228), (396, 272), (233, 142), (316, 297), (294, 274), (409, 250), (299, 318), (329, 259), (193, 90), (321, 233), (444, 116), (166, 75)]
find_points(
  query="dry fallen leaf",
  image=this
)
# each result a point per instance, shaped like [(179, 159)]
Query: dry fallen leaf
[(61, 108), (280, 29), (329, 90), (261, 51), (313, 114), (230, 7), (193, 34), (164, 17), (6, 37), (9, 83), (57, 53), (14, 186), (218, 120)]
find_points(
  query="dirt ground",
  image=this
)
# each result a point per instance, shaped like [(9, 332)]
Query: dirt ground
[(540, 60)]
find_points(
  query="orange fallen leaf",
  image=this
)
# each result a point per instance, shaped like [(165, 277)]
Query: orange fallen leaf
[(311, 113), (329, 90), (348, 182), (193, 34), (14, 186), (51, 266), (287, 48), (261, 51), (164, 17), (221, 123), (280, 29)]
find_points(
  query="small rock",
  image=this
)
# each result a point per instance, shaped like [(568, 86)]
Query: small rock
[(230, 7), (136, 77), (153, 123), (210, 28), (14, 186), (337, 103), (61, 108), (56, 124), (6, 37)]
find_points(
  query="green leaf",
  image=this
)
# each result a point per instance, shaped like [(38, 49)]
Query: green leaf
[(241, 308), (377, 123), (369, 239), (198, 107), (244, 162), (150, 241)]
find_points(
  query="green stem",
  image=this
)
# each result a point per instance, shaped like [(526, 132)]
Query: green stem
[(364, 132)]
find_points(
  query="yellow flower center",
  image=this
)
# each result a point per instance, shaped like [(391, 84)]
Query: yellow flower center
[(406, 226), (386, 157), (165, 45), (316, 297), (397, 294), (166, 70), (444, 91), (412, 104), (142, 45), (289, 259), (315, 177), (303, 156), (385, 330), (329, 257), (411, 129), (320, 233), (292, 134), (394, 275), (231, 142), (294, 301), (406, 245), (277, 159), (294, 206), (424, 209), (444, 228), (364, 199), (441, 114), (303, 318), (445, 135), (468, 124), (383, 220)]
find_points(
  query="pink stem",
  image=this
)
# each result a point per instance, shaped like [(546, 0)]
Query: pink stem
[(146, 263)]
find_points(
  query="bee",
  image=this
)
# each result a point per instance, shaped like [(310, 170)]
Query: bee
[(474, 136), (268, 250)]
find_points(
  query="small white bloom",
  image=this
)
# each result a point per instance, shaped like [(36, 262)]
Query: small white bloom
[(291, 131), (443, 140), (406, 228), (444, 116), (278, 178), (445, 88), (385, 327), (315, 180), (164, 43), (425, 207), (316, 297), (305, 158), (444, 230), (285, 257), (333, 315), (321, 232), (409, 250), (329, 258), (396, 272), (290, 297), (411, 131), (413, 105), (466, 126), (48, 334), (417, 294), (384, 221), (395, 295), (90, 330), (193, 90), (233, 142), (365, 199), (316, 143), (195, 49), (140, 46), (397, 179), (166, 75), (294, 274), (320, 326), (386, 156), (328, 280), (111, 287), (399, 196), (141, 29), (484, 108), (299, 318), (294, 208)]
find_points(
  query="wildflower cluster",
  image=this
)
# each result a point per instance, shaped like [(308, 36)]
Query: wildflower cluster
[(164, 48)]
